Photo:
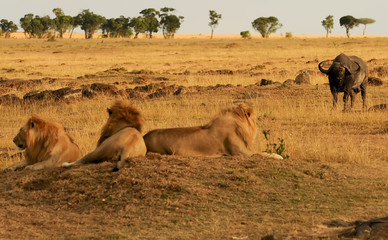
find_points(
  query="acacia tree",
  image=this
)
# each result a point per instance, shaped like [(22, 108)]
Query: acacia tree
[(61, 22), (348, 22), (26, 24), (169, 23), (266, 26), (74, 23), (7, 28), (138, 24), (89, 22), (117, 27), (328, 24), (365, 21), (214, 18), (35, 26), (150, 20)]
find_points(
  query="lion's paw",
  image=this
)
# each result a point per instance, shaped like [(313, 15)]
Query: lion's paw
[(66, 164)]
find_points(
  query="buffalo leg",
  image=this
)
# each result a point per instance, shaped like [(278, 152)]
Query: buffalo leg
[(363, 94), (352, 97), (346, 98), (335, 97)]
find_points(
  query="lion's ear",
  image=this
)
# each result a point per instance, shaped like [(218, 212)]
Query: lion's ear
[(109, 111), (249, 112)]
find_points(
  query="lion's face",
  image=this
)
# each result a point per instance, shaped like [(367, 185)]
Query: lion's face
[(20, 139)]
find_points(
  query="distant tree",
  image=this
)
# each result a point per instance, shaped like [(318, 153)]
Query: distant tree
[(89, 22), (47, 24), (289, 35), (124, 27), (26, 24), (365, 21), (110, 27), (74, 23), (245, 34), (328, 24), (169, 23), (266, 26), (35, 26), (214, 18), (7, 28), (138, 24), (348, 22), (150, 19), (61, 22), (117, 27)]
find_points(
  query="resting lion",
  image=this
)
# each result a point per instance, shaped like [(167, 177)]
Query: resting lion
[(46, 145), (230, 133), (120, 136)]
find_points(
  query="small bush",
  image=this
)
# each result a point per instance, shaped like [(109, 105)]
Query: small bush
[(289, 35), (245, 34), (278, 148)]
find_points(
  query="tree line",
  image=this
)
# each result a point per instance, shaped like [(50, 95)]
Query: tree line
[(150, 21)]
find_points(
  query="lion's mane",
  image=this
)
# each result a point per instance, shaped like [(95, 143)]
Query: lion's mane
[(46, 144), (122, 114), (120, 137)]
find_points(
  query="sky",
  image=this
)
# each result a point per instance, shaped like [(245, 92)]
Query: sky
[(300, 17)]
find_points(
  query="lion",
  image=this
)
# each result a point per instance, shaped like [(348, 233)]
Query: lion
[(231, 132), (46, 145), (120, 138)]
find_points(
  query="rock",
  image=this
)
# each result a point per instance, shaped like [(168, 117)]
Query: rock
[(9, 99), (158, 93), (104, 88), (133, 93), (47, 94), (75, 94), (289, 82), (302, 78), (179, 91), (19, 84), (265, 82), (374, 81), (371, 229), (88, 93), (379, 107)]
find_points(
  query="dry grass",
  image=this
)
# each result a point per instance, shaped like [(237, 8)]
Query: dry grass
[(301, 116), (315, 135)]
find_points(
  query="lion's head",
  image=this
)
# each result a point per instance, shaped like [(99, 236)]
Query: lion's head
[(37, 137), (122, 114), (242, 117)]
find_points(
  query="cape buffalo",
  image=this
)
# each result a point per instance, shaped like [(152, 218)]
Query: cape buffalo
[(347, 74)]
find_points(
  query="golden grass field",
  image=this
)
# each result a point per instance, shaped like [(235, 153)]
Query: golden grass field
[(351, 143)]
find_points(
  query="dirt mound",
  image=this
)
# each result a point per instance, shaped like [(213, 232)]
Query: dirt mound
[(181, 197)]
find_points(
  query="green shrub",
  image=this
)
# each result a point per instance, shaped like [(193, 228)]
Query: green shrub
[(245, 34), (278, 148)]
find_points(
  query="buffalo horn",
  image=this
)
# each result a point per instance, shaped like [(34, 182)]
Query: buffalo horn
[(325, 71)]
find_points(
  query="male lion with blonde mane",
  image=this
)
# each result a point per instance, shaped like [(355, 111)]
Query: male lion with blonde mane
[(120, 136), (231, 132), (46, 145)]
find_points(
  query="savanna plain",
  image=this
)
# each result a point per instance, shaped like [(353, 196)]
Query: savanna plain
[(337, 166)]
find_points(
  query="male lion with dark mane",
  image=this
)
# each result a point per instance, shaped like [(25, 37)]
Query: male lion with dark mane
[(120, 136), (231, 132), (46, 145)]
